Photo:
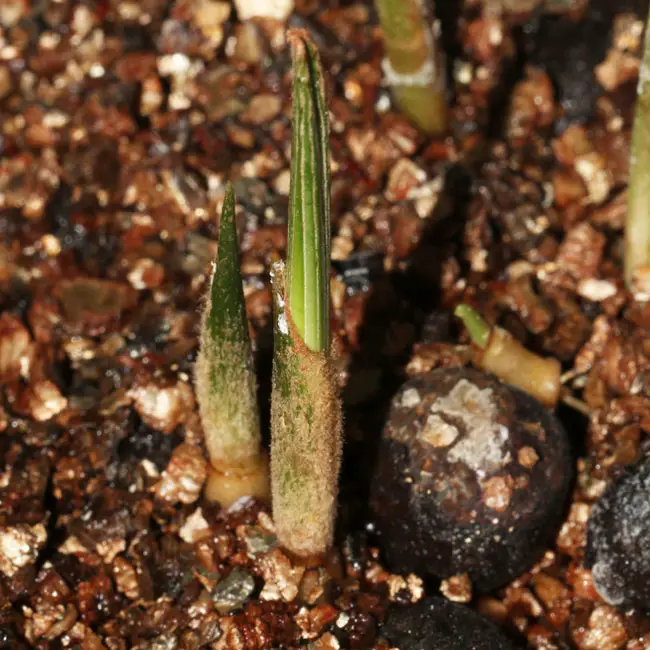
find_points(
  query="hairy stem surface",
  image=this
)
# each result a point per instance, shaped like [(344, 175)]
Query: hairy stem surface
[(224, 373), (305, 406), (306, 437)]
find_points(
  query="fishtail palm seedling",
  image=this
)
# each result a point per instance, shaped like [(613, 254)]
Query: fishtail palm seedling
[(414, 64), (225, 378), (305, 407)]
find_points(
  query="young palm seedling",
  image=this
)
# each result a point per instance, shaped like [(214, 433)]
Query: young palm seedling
[(637, 227), (496, 351), (473, 472), (305, 407), (225, 378), (414, 64)]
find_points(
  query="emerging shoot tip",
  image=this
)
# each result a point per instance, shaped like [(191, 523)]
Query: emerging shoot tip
[(479, 331), (498, 352), (308, 248), (224, 372), (414, 65)]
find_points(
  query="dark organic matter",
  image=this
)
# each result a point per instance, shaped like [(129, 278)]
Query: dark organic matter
[(568, 51), (437, 623), (617, 542)]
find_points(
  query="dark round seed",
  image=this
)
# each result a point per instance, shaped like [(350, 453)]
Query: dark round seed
[(617, 540), (472, 477)]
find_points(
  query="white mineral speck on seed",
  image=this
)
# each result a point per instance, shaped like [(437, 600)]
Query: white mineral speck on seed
[(482, 449), (438, 433)]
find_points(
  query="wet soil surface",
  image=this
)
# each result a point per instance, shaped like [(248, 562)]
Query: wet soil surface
[(120, 124)]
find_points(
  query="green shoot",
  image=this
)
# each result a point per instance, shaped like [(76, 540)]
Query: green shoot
[(637, 227), (414, 65), (224, 373), (305, 406), (479, 331), (497, 351), (308, 247)]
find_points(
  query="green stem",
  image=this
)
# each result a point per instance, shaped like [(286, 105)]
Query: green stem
[(479, 331), (224, 372), (308, 249), (637, 228), (404, 30), (414, 66)]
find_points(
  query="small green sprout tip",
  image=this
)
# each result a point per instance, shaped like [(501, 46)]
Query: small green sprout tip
[(479, 331)]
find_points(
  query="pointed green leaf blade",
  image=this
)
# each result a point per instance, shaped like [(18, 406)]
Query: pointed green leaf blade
[(224, 373), (227, 316), (308, 254)]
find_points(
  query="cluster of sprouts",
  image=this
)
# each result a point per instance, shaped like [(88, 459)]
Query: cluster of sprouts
[(305, 405), (306, 409)]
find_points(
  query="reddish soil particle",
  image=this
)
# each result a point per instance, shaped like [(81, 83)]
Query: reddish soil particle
[(14, 347), (581, 251)]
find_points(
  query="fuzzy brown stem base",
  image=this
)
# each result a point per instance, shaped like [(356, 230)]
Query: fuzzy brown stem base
[(306, 424), (305, 451)]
